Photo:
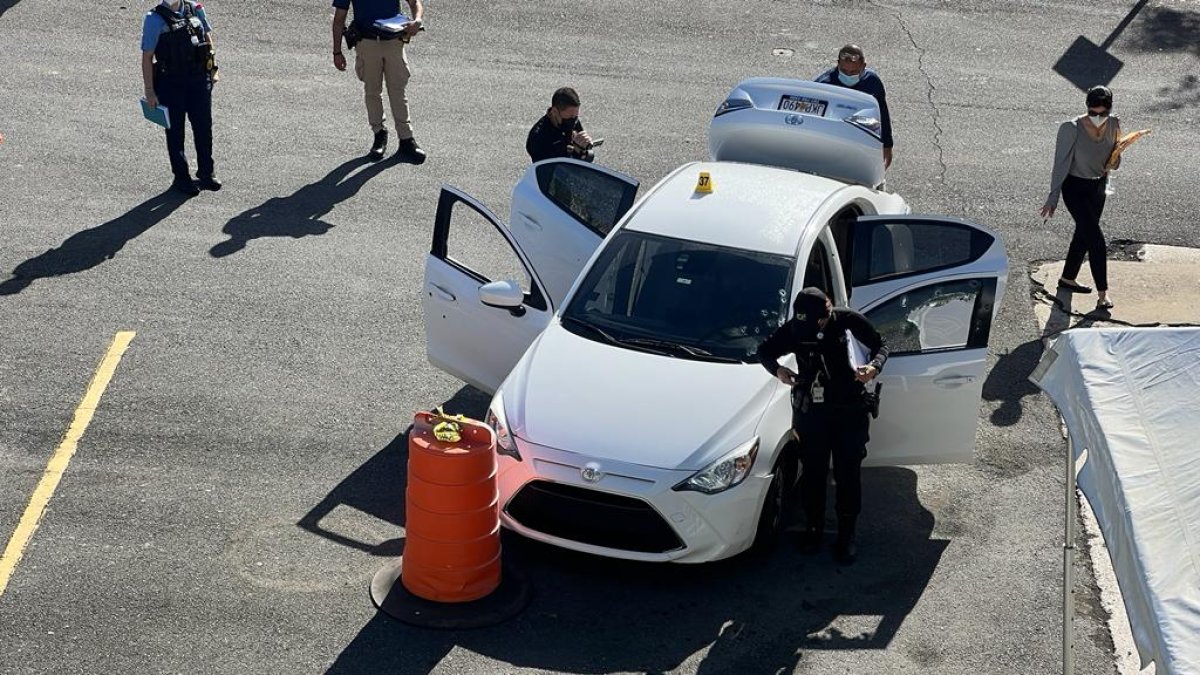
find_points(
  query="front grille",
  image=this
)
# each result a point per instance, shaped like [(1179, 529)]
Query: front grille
[(592, 517)]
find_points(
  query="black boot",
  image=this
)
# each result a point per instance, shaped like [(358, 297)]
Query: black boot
[(410, 152), (810, 540), (186, 185), (814, 532), (379, 146), (208, 182), (845, 550)]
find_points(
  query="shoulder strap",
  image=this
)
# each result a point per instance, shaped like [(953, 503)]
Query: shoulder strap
[(163, 12)]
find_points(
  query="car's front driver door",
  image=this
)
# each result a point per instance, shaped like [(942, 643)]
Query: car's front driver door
[(475, 342), (561, 210), (931, 286)]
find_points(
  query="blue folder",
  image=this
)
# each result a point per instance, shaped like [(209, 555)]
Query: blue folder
[(158, 114)]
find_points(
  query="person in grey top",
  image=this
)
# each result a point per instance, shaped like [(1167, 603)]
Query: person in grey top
[(1080, 175)]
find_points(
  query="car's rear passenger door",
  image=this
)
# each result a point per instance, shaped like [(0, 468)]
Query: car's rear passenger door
[(562, 209)]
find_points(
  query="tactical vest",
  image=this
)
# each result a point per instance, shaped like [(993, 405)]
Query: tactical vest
[(183, 50)]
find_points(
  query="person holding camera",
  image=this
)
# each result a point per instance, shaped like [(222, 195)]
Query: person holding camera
[(830, 407), (380, 58), (559, 133), (178, 72)]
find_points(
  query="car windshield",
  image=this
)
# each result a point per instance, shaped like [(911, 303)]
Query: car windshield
[(681, 298)]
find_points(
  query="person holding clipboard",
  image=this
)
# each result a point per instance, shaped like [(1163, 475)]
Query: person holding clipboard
[(178, 72), (379, 34), (838, 352), (1084, 153)]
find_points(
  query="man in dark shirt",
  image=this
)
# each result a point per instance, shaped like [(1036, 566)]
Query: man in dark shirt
[(852, 72), (830, 416), (559, 132), (381, 59)]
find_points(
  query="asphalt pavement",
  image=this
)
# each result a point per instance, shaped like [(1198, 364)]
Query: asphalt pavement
[(242, 478)]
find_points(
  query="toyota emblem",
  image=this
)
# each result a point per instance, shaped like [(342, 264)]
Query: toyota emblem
[(591, 472), (794, 119)]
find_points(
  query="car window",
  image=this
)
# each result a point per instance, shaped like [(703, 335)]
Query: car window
[(718, 300), (817, 272), (478, 248), (596, 199), (885, 250), (936, 317)]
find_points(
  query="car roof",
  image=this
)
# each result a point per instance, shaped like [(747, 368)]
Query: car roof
[(753, 207)]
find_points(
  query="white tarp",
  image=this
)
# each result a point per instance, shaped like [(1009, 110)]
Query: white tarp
[(1131, 401)]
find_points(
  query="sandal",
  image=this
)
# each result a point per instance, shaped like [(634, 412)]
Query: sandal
[(1074, 286)]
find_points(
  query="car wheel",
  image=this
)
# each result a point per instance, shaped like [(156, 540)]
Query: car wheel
[(770, 521)]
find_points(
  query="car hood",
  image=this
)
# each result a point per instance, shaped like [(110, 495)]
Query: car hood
[(577, 395)]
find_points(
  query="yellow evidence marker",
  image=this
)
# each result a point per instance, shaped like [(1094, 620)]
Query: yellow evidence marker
[(704, 183)]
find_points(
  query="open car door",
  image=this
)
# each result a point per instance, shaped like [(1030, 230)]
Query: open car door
[(474, 341), (561, 210), (931, 286)]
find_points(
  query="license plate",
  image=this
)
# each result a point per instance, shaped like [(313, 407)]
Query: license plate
[(803, 104)]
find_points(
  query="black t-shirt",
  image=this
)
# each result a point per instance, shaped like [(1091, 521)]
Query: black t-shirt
[(547, 141), (822, 354)]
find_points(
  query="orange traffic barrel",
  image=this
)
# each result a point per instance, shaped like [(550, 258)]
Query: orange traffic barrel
[(450, 574), (452, 517)]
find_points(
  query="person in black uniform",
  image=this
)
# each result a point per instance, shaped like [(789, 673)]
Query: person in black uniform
[(830, 407), (178, 71), (559, 133)]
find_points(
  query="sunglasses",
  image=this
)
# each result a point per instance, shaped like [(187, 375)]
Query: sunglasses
[(852, 58), (1101, 113)]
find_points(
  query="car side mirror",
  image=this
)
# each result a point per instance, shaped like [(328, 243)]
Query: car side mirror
[(503, 295)]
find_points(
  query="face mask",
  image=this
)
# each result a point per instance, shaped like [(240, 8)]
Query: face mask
[(1098, 120), (848, 80), (568, 123)]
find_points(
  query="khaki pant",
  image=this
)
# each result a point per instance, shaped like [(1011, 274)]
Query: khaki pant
[(376, 62)]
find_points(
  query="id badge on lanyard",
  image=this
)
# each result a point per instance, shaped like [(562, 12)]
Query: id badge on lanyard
[(818, 392)]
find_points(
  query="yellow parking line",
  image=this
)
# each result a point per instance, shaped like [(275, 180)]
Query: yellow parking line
[(62, 456)]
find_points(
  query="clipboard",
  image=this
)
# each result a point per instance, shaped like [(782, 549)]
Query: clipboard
[(856, 352), (158, 114)]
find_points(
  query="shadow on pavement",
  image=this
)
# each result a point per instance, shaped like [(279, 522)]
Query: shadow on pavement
[(299, 214), (6, 5), (596, 615), (377, 487), (1167, 29), (87, 249), (1086, 64), (1008, 382)]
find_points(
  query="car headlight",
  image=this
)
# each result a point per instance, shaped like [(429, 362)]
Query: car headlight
[(505, 443), (725, 472), (867, 123), (731, 104)]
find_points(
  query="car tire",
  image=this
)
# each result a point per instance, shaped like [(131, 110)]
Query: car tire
[(775, 507)]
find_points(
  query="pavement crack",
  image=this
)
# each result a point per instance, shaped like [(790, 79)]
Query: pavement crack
[(930, 88)]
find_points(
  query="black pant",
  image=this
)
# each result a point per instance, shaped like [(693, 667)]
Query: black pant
[(842, 434), (190, 97), (1084, 198)]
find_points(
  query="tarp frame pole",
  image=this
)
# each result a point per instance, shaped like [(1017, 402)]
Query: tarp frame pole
[(1069, 565)]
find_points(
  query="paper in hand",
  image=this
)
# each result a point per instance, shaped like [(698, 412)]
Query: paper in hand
[(393, 24), (1123, 142), (856, 352)]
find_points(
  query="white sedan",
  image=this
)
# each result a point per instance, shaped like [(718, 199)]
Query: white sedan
[(632, 416)]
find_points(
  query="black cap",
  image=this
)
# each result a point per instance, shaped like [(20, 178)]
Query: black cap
[(1099, 97), (809, 305)]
